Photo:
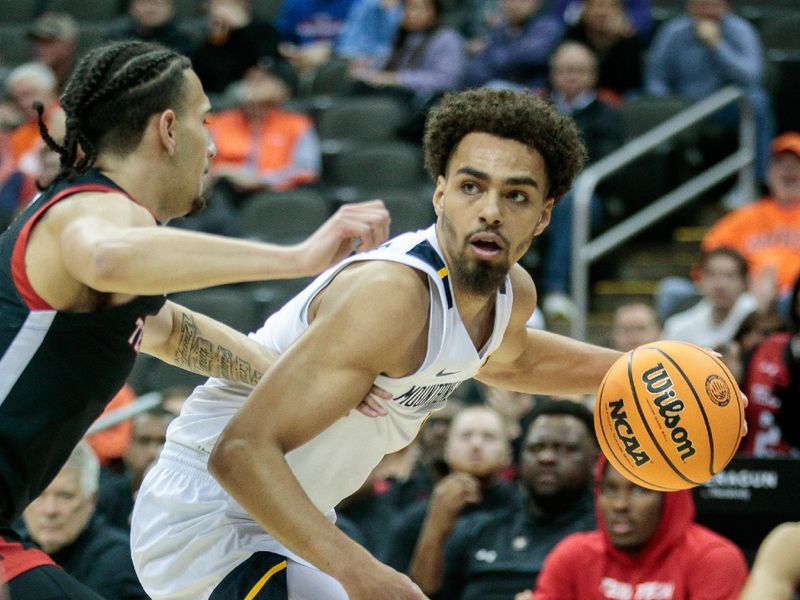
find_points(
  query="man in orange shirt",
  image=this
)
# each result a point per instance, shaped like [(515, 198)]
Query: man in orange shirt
[(767, 231), (260, 145)]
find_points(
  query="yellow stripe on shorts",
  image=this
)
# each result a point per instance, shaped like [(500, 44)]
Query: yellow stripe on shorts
[(442, 273), (263, 581)]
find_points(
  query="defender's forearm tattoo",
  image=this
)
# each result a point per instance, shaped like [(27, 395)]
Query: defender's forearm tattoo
[(202, 356)]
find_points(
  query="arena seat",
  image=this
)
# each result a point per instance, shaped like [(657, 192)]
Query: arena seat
[(285, 217), (371, 118)]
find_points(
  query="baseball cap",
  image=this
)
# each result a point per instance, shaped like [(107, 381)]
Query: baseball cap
[(53, 26), (786, 142)]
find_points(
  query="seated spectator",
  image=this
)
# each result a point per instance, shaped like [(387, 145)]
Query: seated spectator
[(430, 466), (309, 29), (767, 231), (153, 21), (477, 451), (492, 559), (235, 42), (776, 572), (29, 83), (635, 323), (573, 77), (516, 53), (62, 521), (697, 54), (55, 39), (606, 30), (426, 58), (647, 545), (260, 145), (118, 490), (369, 31), (772, 385), (637, 14), (724, 306)]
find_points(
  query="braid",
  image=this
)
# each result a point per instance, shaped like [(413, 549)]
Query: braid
[(113, 91)]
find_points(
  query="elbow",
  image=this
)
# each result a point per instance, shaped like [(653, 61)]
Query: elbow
[(229, 452), (107, 268)]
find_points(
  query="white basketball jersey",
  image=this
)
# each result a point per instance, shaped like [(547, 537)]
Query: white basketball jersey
[(337, 462)]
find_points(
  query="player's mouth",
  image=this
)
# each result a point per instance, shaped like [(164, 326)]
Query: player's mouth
[(486, 246)]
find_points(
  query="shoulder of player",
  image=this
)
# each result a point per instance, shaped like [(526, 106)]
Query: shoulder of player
[(113, 207), (393, 289)]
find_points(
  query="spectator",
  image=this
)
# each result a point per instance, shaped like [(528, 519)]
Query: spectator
[(608, 32), (62, 521), (516, 53), (153, 21), (55, 36), (493, 559), (118, 491), (236, 41), (260, 145), (573, 76), (776, 571), (647, 545), (309, 29), (772, 385), (767, 231), (637, 14), (724, 305), (430, 466), (426, 58), (369, 30), (635, 323), (696, 54), (26, 84), (477, 451)]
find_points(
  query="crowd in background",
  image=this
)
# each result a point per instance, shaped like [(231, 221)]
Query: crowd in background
[(502, 496)]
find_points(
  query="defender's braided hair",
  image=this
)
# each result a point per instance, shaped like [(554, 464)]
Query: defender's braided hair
[(109, 98)]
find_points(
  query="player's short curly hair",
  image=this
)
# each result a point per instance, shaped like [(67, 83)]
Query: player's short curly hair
[(508, 114)]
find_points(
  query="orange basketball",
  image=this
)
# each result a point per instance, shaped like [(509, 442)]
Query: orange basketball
[(669, 415)]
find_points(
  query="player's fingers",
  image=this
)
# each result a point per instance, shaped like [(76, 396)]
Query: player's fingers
[(375, 404), (380, 393), (367, 410), (745, 401)]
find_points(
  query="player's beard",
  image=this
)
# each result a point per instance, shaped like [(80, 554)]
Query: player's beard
[(474, 277)]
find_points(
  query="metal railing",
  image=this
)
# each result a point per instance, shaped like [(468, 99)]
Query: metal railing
[(142, 404), (586, 251)]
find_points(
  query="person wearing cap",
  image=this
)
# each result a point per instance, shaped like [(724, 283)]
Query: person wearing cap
[(259, 144), (54, 36), (767, 232)]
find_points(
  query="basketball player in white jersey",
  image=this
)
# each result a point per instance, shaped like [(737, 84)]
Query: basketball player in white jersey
[(240, 504)]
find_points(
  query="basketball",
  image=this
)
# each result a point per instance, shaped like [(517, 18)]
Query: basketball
[(669, 415)]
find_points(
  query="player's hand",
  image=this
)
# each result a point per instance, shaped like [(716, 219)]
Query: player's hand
[(371, 405), (526, 595), (361, 226), (380, 582)]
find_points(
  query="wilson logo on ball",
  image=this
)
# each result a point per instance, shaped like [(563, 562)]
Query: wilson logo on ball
[(624, 432), (718, 390), (670, 407)]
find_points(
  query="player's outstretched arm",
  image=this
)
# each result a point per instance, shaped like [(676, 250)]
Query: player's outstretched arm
[(368, 321), (776, 570), (197, 343), (541, 362), (107, 243)]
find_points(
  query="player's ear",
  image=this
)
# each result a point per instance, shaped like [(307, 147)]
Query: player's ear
[(438, 195), (544, 218), (166, 130)]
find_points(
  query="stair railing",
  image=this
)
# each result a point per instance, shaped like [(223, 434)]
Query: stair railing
[(586, 251)]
